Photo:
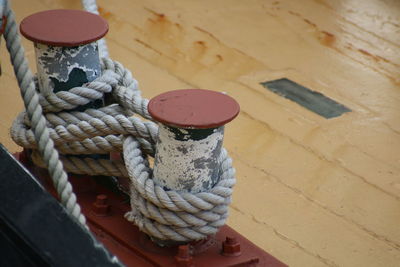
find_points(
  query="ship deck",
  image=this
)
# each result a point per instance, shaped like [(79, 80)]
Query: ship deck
[(311, 191)]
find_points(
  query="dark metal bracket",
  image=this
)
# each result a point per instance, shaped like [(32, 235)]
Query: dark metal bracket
[(35, 230)]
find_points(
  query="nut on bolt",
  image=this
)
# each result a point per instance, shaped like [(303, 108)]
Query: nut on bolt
[(100, 206), (183, 258), (231, 247)]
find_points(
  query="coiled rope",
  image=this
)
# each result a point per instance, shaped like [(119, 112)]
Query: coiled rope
[(164, 214)]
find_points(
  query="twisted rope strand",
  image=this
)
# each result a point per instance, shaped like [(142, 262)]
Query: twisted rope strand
[(175, 215), (91, 6), (38, 121)]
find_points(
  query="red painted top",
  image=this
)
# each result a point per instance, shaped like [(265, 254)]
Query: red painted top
[(193, 108), (64, 27)]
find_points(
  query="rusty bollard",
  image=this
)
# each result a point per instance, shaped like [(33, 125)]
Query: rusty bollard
[(66, 50), (191, 131)]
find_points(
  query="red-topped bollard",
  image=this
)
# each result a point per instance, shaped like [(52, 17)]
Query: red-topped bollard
[(191, 130), (66, 50)]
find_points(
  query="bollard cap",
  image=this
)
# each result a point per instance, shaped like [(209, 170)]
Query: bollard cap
[(193, 108), (64, 27)]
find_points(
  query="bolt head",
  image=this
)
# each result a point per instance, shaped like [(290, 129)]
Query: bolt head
[(100, 207), (231, 247), (183, 257)]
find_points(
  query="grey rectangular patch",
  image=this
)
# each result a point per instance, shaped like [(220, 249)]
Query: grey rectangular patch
[(312, 100)]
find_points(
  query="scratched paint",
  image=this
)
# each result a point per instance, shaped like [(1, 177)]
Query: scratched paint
[(62, 68), (187, 159)]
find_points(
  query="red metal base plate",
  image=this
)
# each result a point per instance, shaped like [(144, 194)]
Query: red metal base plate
[(106, 221)]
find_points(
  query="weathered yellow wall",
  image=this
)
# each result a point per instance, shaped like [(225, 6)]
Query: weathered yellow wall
[(311, 191)]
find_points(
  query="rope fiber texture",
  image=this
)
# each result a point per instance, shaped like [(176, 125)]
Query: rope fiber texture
[(161, 213), (34, 112)]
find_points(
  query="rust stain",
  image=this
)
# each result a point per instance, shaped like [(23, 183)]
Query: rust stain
[(326, 38), (376, 57), (206, 32), (105, 14), (221, 44), (158, 23), (310, 23), (163, 34), (304, 19), (386, 60), (148, 46), (200, 49), (178, 25), (162, 26), (386, 73), (362, 51), (201, 43), (159, 16)]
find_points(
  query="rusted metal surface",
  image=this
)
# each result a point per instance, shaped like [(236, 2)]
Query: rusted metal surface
[(190, 137)]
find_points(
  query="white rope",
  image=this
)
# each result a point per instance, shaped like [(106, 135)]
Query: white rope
[(94, 131), (172, 215), (164, 214), (34, 112), (91, 6)]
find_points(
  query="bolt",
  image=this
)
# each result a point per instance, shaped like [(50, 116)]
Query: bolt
[(231, 247), (183, 258), (100, 206)]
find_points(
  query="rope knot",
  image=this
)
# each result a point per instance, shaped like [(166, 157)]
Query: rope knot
[(164, 214), (174, 215)]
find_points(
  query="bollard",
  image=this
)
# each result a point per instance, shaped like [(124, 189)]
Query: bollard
[(191, 131), (67, 53)]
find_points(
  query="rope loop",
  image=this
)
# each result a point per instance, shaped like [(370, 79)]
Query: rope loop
[(51, 121), (164, 214), (174, 215)]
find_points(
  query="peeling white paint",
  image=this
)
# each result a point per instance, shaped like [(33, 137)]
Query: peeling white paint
[(187, 165), (57, 62)]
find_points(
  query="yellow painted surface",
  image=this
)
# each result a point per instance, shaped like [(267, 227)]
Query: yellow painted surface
[(311, 191)]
